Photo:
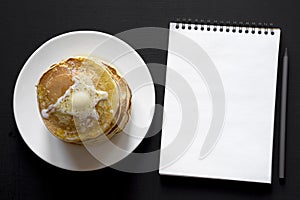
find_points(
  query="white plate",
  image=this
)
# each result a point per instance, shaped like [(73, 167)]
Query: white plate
[(82, 43)]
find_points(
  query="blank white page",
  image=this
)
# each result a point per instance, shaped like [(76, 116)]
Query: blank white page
[(247, 65)]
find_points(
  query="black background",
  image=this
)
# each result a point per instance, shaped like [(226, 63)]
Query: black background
[(25, 25)]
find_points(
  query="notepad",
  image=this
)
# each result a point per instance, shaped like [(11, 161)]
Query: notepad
[(220, 102)]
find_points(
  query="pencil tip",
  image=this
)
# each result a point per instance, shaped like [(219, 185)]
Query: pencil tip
[(285, 52)]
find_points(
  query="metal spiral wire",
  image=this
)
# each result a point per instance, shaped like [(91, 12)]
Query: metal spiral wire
[(228, 26)]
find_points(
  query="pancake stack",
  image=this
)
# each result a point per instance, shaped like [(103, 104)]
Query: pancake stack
[(81, 100)]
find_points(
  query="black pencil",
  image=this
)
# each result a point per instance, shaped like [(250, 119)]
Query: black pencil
[(283, 117)]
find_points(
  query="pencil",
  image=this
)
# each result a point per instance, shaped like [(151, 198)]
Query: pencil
[(282, 141)]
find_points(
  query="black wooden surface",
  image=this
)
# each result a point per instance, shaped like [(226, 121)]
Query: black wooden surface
[(25, 25)]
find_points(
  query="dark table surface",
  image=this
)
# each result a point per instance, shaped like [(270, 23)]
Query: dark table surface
[(25, 25)]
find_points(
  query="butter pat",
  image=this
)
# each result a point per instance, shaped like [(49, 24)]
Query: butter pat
[(81, 100)]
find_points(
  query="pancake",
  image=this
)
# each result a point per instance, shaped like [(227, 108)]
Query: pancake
[(81, 100)]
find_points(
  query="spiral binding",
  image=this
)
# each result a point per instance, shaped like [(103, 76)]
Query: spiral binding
[(225, 26)]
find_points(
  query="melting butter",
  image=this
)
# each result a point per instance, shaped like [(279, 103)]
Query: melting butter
[(80, 99)]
